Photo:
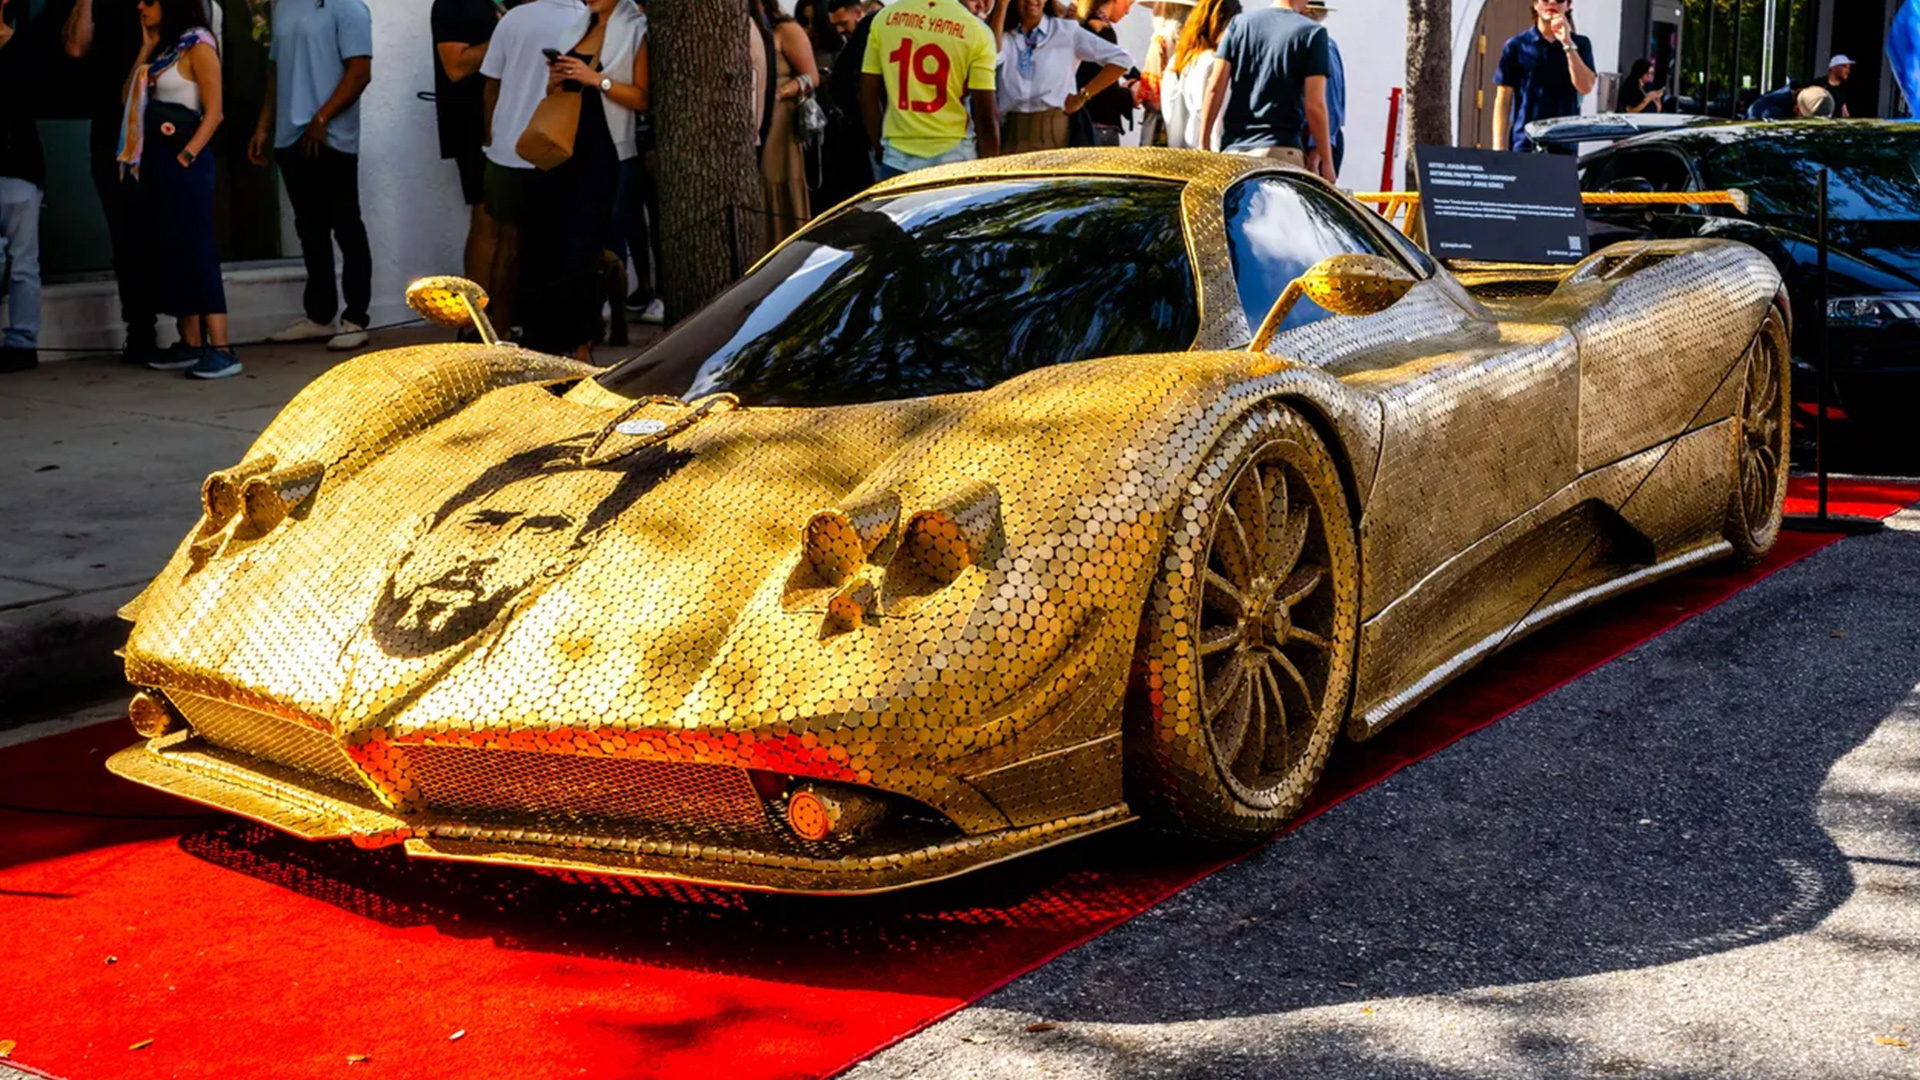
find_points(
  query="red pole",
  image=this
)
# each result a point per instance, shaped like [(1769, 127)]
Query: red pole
[(1393, 138)]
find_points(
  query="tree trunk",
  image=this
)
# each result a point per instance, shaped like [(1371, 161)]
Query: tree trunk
[(1429, 78), (710, 196)]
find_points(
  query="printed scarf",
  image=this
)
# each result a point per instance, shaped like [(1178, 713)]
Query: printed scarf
[(133, 121)]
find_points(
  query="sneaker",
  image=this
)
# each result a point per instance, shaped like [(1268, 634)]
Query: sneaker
[(655, 313), (178, 356), (637, 301), (18, 358), (216, 364), (301, 329), (351, 336)]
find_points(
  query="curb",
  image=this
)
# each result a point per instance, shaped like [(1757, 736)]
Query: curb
[(62, 651)]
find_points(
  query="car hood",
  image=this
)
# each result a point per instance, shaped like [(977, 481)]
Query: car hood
[(504, 548)]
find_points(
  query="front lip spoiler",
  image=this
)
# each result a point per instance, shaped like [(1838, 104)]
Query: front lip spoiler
[(314, 808)]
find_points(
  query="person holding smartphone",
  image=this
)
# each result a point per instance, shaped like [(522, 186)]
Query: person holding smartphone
[(1544, 72), (1638, 94)]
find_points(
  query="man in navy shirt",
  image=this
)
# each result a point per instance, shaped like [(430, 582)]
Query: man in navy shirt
[(1544, 72)]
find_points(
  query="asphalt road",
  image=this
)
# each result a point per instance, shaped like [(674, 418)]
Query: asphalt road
[(1702, 860)]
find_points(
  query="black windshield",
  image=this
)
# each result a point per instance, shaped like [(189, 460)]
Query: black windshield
[(1875, 173), (938, 291)]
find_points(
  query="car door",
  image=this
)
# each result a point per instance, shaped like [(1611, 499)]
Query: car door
[(1478, 426)]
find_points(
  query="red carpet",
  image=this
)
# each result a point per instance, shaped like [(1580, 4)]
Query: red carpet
[(242, 953)]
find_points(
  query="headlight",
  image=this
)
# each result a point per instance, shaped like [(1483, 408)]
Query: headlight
[(1871, 311)]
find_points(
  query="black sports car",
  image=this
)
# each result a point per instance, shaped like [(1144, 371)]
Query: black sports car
[(1873, 230)]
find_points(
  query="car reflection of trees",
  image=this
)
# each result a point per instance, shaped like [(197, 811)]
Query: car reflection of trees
[(1871, 178), (985, 292)]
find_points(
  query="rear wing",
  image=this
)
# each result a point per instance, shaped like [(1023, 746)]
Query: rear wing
[(1398, 206)]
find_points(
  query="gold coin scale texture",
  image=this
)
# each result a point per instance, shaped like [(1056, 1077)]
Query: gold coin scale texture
[(446, 600)]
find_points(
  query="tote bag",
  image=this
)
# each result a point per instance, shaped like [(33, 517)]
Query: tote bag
[(548, 140)]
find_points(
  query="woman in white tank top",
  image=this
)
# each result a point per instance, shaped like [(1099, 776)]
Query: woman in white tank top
[(173, 108), (1183, 89)]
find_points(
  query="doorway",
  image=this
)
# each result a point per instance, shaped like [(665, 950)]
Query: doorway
[(1860, 31), (1499, 20)]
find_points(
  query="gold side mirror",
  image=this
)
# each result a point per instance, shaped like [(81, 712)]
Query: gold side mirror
[(1344, 285), (452, 301)]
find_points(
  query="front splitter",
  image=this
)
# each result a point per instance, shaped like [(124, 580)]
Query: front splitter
[(314, 808)]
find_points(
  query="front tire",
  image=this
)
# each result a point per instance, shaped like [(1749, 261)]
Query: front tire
[(1247, 647), (1762, 436)]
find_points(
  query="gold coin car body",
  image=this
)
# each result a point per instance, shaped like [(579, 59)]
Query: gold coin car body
[(968, 523)]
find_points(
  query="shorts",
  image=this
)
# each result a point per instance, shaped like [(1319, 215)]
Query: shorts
[(472, 164), (506, 192), (1287, 155)]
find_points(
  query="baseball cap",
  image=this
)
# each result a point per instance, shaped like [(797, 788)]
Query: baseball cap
[(1838, 59)]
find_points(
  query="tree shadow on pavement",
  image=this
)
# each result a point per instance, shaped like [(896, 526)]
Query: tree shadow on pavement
[(1666, 806)]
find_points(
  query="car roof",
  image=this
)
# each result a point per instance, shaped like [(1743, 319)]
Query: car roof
[(1127, 162), (1704, 138)]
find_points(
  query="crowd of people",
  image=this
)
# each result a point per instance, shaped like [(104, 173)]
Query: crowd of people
[(846, 93), (543, 111), (1026, 75)]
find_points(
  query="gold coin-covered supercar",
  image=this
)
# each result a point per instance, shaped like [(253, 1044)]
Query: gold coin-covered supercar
[(971, 521)]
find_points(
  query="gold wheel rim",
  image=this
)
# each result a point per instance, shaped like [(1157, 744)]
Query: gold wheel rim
[(1762, 450), (1266, 628)]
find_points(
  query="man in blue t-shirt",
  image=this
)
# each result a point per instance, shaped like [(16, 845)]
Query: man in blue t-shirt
[(1270, 81), (319, 62), (1544, 72)]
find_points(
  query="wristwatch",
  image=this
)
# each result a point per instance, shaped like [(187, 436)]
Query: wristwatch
[(606, 85)]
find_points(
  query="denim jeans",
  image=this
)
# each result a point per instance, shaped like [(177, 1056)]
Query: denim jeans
[(20, 252)]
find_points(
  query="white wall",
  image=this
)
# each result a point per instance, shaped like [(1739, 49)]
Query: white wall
[(410, 198)]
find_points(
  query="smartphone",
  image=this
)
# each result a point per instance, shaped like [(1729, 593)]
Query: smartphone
[(550, 54)]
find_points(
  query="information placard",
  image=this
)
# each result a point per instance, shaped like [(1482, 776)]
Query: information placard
[(1501, 207)]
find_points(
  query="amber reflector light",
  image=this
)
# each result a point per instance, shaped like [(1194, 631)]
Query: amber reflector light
[(809, 816)]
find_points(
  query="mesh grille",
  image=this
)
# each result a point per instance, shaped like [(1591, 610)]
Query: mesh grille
[(265, 736), (587, 794)]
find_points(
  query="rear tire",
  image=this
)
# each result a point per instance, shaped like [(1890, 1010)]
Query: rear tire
[(1247, 647), (1762, 436)]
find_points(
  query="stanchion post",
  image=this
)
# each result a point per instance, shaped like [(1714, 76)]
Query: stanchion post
[(1393, 138), (1826, 312), (1822, 520)]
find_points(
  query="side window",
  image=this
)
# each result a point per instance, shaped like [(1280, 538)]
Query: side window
[(1596, 171), (1661, 171), (1276, 229)]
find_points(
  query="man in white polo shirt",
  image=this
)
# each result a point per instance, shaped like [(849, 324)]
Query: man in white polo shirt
[(516, 74)]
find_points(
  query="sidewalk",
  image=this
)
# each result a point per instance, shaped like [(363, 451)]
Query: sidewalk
[(102, 474)]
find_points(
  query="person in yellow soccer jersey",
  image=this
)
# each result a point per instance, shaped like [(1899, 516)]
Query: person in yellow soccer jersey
[(926, 60)]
